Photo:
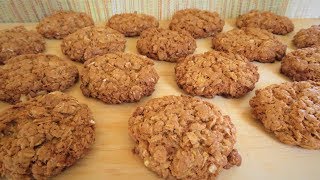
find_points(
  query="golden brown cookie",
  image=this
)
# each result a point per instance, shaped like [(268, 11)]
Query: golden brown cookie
[(26, 76), (18, 41), (307, 37), (44, 136), (291, 111), (267, 20), (165, 45), (181, 137), (92, 41), (216, 73), (199, 23), (302, 64), (132, 24), (118, 77), (253, 43), (62, 23)]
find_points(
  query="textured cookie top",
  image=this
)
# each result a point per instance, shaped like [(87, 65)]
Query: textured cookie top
[(18, 41), (302, 64), (30, 75), (62, 23), (92, 41), (198, 23), (307, 37), (181, 137), (43, 136), (253, 43), (216, 73), (267, 20), (132, 24), (291, 111), (118, 77), (165, 45)]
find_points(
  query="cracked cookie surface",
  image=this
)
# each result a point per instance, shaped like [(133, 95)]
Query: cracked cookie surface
[(302, 64), (253, 43), (267, 20), (118, 77), (132, 24), (307, 37), (19, 41), (291, 111), (199, 23), (165, 45), (216, 73), (44, 136), (181, 137), (27, 76), (62, 23), (89, 42)]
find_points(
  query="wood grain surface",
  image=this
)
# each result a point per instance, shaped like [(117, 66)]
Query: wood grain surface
[(264, 157)]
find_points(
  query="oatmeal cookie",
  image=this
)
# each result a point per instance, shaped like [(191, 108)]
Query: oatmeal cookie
[(302, 64), (216, 73), (291, 111), (62, 23), (18, 41), (89, 42), (253, 43), (165, 45), (132, 24), (43, 136), (267, 20), (199, 23), (27, 76), (118, 77), (181, 137), (307, 37)]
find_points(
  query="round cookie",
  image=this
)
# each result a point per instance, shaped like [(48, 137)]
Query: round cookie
[(26, 76), (89, 42), (132, 24), (267, 20), (307, 37), (181, 137), (165, 45), (62, 23), (18, 41), (291, 111), (42, 137), (199, 23), (253, 43), (118, 77), (216, 73), (302, 64)]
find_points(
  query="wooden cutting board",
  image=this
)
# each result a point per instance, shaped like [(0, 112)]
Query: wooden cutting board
[(264, 157)]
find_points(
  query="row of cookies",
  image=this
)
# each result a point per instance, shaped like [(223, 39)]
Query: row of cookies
[(103, 71)]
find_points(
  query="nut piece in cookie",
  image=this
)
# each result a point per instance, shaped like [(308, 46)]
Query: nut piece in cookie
[(62, 23), (267, 20), (253, 43), (165, 45), (291, 111), (27, 76), (89, 42), (302, 64), (118, 77), (42, 137), (18, 41), (199, 23), (216, 73), (181, 137), (132, 24), (307, 37)]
